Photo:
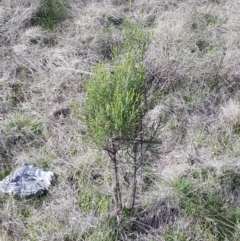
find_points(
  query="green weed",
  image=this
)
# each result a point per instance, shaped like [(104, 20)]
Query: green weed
[(106, 230), (175, 235), (23, 73), (17, 93), (236, 129), (25, 124), (202, 198), (4, 173), (89, 198)]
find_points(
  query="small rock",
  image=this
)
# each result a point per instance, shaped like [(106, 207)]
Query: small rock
[(27, 181)]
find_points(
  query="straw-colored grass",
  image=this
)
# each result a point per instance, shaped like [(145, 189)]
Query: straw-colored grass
[(192, 64)]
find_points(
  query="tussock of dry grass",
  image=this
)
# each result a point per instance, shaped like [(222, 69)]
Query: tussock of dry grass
[(231, 112), (193, 62)]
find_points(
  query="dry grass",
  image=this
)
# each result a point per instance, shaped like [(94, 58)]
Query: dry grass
[(193, 62)]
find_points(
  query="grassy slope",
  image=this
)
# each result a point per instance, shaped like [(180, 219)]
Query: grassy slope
[(194, 61)]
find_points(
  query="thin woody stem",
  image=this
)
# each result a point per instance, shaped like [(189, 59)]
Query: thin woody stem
[(116, 185)]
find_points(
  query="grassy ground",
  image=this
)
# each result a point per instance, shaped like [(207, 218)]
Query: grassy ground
[(189, 189)]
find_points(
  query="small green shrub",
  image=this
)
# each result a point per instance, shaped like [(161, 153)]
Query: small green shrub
[(116, 101), (50, 13)]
